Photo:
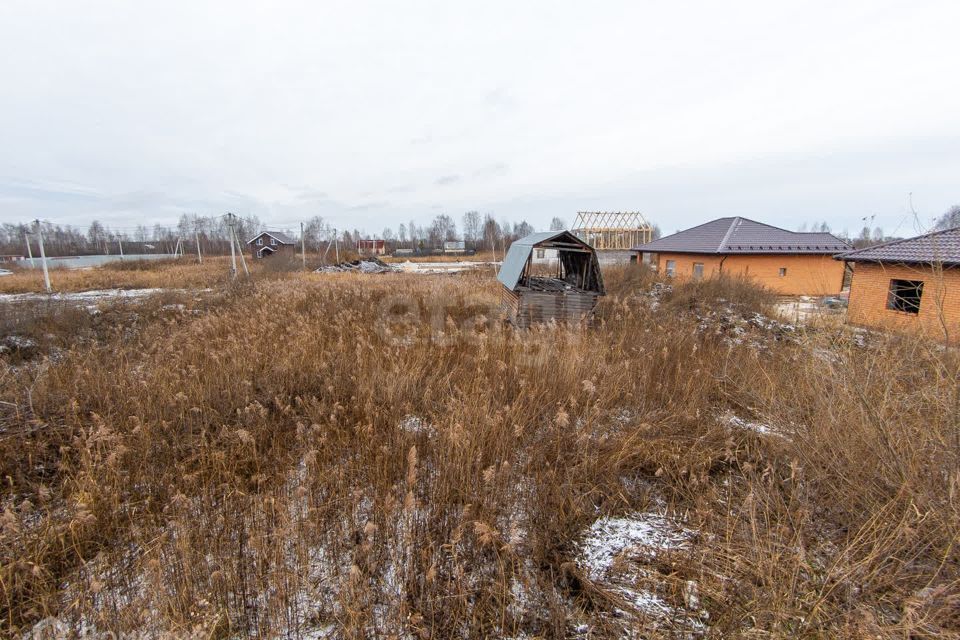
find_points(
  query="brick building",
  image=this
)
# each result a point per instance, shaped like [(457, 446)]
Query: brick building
[(371, 247), (269, 243), (787, 262), (910, 286)]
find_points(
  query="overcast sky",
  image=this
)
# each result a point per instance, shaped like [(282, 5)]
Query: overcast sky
[(373, 113)]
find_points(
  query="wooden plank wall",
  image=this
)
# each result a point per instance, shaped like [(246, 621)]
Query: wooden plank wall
[(509, 304), (568, 307)]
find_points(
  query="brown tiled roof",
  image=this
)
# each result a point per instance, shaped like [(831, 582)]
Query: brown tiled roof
[(939, 247), (740, 235)]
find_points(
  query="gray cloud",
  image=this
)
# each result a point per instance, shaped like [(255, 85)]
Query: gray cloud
[(492, 170), (243, 116)]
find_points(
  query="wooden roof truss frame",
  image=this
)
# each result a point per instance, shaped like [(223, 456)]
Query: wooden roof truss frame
[(613, 230)]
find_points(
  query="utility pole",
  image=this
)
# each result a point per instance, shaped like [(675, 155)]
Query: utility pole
[(43, 257), (243, 259), (233, 255), (120, 244), (26, 237), (303, 247), (336, 244), (196, 234)]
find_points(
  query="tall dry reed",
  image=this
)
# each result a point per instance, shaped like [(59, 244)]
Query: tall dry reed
[(379, 456)]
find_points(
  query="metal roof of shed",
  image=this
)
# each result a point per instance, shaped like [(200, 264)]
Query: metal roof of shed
[(520, 250)]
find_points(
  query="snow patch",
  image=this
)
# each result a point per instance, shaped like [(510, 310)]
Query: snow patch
[(616, 555), (442, 267), (416, 425), (757, 427), (645, 533), (79, 296)]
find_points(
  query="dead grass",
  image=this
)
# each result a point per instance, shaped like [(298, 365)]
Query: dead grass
[(375, 456), (184, 273)]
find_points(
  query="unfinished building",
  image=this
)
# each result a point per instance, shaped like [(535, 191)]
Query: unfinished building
[(613, 233), (567, 294)]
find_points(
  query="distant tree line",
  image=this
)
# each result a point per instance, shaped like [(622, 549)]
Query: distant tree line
[(213, 234), (949, 220), (870, 236), (867, 237), (479, 232)]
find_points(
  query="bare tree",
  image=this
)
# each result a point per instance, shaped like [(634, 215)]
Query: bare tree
[(949, 220), (442, 229), (471, 228), (415, 235), (97, 235), (317, 232), (521, 229), (558, 224), (492, 233)]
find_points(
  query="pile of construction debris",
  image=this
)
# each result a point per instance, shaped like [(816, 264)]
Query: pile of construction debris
[(363, 265)]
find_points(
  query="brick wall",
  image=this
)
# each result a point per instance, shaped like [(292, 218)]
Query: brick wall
[(869, 295), (813, 275)]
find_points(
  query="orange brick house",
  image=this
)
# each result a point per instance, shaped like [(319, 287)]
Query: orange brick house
[(910, 286), (787, 262)]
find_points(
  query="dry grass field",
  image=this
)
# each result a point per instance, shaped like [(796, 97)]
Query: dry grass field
[(133, 274), (350, 456)]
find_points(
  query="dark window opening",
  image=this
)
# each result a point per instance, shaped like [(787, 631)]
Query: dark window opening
[(905, 295), (671, 267), (783, 271), (697, 269)]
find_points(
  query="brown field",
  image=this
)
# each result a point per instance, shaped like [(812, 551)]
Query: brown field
[(354, 456), (181, 273)]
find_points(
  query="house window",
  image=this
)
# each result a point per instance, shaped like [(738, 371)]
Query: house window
[(540, 253), (905, 295), (783, 272), (671, 267), (273, 241), (259, 242), (698, 270)]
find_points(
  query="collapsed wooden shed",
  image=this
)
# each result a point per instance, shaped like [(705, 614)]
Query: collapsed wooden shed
[(567, 292)]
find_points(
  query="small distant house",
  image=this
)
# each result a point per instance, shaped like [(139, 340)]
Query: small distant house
[(269, 243), (787, 262), (910, 285), (567, 293), (371, 247), (11, 258), (455, 246)]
